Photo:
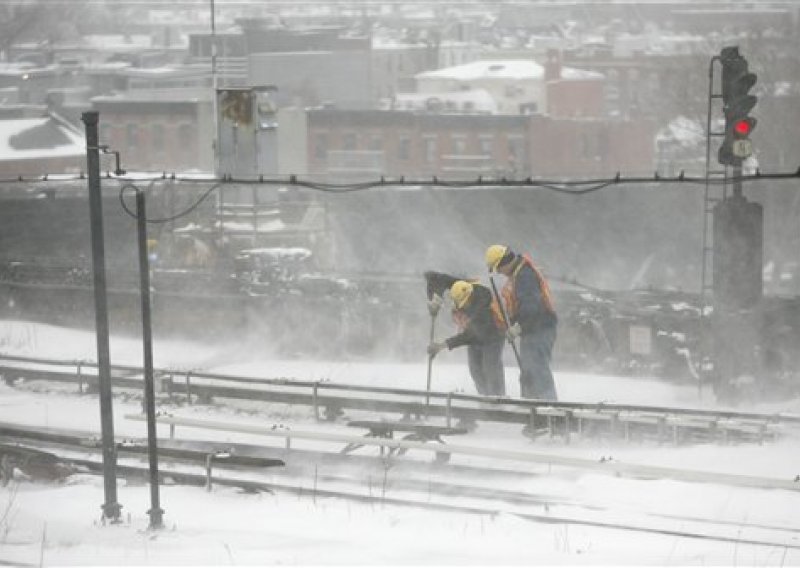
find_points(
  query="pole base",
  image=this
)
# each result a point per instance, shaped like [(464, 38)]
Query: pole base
[(156, 519), (112, 512)]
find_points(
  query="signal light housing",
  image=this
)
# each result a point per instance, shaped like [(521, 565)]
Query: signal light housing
[(737, 104)]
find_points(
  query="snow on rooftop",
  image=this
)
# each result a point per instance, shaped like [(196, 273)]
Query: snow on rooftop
[(177, 94), (783, 89), (118, 41), (389, 43), (488, 69), (684, 131), (474, 100), (572, 74), (26, 138), (510, 69), (25, 68)]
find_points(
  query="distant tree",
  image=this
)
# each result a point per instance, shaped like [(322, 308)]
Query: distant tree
[(16, 20), (46, 22)]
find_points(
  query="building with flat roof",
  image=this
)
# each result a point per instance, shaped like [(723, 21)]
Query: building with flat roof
[(39, 146)]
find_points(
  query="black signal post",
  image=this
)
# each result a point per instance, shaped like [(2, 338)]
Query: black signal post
[(737, 80), (738, 237)]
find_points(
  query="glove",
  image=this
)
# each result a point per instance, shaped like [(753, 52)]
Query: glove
[(435, 347), (513, 332), (435, 304)]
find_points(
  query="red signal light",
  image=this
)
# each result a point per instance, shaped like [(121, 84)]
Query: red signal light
[(742, 127)]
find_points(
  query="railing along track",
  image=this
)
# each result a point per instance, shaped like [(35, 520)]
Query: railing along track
[(562, 418)]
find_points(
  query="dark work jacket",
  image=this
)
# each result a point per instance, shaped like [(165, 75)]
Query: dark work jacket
[(481, 326), (531, 313)]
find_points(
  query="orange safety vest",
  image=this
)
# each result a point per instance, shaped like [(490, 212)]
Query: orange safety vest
[(497, 314), (462, 320), (510, 295)]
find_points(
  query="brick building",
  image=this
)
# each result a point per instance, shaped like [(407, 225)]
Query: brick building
[(350, 143), (406, 143), (590, 146), (523, 86), (572, 92), (169, 129)]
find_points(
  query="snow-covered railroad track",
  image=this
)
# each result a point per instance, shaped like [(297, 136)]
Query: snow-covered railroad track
[(541, 459), (476, 492), (561, 419)]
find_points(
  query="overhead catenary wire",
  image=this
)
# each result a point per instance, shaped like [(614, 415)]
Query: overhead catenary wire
[(192, 207), (583, 185), (564, 186)]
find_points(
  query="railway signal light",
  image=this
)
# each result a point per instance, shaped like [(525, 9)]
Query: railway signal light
[(744, 127), (737, 81)]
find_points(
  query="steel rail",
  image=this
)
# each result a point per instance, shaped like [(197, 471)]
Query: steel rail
[(609, 466), (185, 477), (81, 442), (545, 417), (525, 405)]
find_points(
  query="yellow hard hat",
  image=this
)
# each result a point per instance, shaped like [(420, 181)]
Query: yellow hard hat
[(494, 254), (460, 291)]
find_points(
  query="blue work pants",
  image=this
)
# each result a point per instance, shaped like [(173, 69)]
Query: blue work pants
[(486, 367), (536, 379)]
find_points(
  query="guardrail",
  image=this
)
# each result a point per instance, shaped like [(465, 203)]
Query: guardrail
[(562, 418)]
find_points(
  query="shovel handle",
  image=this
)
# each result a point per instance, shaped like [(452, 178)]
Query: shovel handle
[(505, 320)]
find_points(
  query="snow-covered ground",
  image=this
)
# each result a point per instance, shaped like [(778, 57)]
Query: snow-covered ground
[(58, 524)]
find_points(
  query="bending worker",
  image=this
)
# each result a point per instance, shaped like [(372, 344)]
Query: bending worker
[(531, 317), (481, 329)]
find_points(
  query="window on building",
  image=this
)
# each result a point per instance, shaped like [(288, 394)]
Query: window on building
[(512, 91), (404, 148), (158, 137), (349, 141), (515, 150), (376, 143), (587, 146), (185, 135), (321, 146), (431, 150), (459, 144), (486, 145), (132, 136), (105, 134), (187, 142)]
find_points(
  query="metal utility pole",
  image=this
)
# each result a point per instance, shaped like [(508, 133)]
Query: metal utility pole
[(155, 512), (737, 236), (214, 87), (111, 509)]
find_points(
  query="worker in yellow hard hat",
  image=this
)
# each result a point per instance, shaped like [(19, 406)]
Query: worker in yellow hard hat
[(531, 317), (481, 329)]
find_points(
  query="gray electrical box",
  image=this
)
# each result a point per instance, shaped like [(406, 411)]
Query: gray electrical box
[(738, 254), (247, 132)]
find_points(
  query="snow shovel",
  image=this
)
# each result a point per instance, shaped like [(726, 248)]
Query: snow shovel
[(505, 321), (430, 365)]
